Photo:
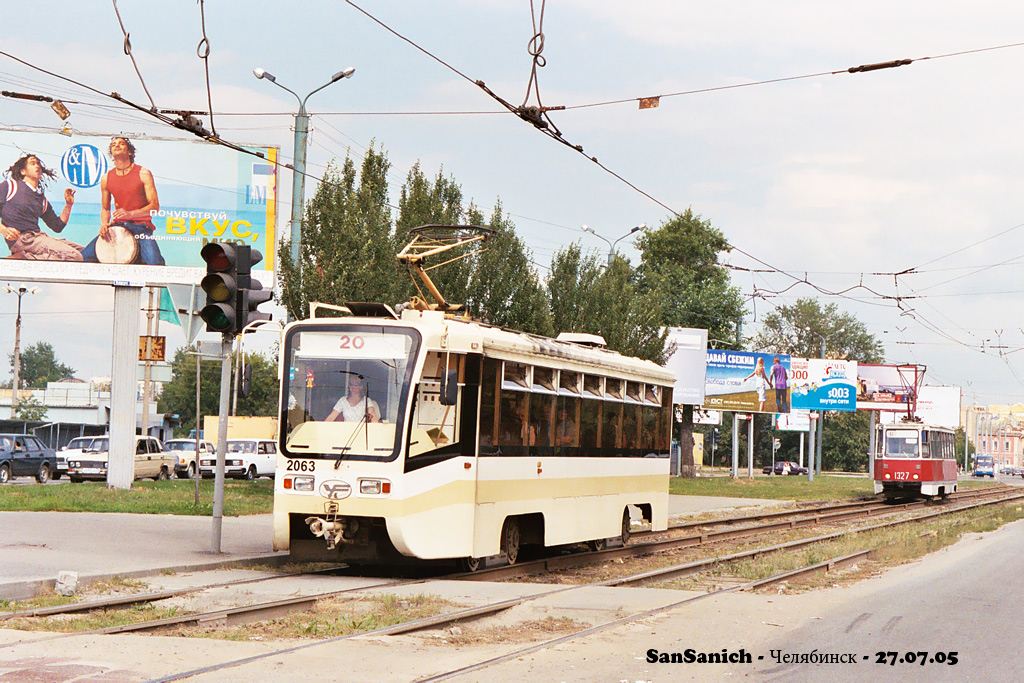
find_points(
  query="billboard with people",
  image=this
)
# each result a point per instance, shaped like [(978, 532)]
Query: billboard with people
[(747, 382), (119, 208)]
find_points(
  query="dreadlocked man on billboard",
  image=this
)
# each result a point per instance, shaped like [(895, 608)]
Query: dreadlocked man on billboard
[(23, 204)]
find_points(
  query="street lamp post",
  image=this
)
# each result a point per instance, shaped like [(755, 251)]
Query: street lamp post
[(20, 291), (611, 245), (299, 154)]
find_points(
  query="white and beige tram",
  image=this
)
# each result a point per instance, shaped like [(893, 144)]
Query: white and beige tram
[(426, 435)]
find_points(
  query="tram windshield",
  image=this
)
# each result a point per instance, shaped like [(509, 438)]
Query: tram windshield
[(902, 443), (346, 390)]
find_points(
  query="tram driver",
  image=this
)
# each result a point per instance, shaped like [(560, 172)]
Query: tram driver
[(355, 406)]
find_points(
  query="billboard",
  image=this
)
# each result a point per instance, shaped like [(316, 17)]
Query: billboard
[(707, 417), (689, 355), (795, 420), (939, 406), (746, 382), (823, 384), (888, 387), (135, 212)]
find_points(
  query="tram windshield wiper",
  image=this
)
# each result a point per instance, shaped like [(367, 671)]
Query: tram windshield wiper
[(355, 432)]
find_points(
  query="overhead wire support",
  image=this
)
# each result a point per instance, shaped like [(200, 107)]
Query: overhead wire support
[(128, 51), (203, 52)]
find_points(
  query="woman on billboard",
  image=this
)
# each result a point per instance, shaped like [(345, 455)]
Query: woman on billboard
[(23, 204), (126, 233)]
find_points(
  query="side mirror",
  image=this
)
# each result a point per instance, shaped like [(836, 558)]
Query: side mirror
[(449, 388)]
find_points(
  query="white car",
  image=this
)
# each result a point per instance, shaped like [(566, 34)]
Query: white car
[(184, 450), (245, 459), (150, 460)]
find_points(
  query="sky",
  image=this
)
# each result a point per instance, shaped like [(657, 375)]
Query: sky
[(827, 183)]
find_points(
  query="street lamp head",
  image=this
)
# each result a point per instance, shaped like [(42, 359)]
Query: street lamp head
[(587, 228), (262, 73), (347, 73), (642, 226)]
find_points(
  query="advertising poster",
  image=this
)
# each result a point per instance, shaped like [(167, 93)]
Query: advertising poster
[(688, 349), (707, 417), (111, 209), (747, 382), (888, 387), (795, 420), (824, 384), (939, 406)]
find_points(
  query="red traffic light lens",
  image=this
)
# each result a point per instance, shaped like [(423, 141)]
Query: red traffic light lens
[(218, 256)]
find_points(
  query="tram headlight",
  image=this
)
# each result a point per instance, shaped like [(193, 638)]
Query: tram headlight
[(374, 487), (916, 477), (301, 484), (886, 475)]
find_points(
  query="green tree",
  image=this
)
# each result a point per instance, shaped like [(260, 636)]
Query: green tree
[(437, 202), (960, 437), (798, 330), (570, 286), (504, 289), (680, 268), (39, 365), (179, 395), (347, 251), (30, 410)]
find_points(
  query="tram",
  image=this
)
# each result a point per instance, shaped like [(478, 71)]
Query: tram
[(421, 434), (915, 460)]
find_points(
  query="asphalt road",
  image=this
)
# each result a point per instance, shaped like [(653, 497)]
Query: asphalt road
[(970, 604)]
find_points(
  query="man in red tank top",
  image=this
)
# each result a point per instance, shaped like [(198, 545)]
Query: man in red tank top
[(135, 199)]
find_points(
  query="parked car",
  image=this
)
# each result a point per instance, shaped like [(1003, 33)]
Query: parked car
[(150, 460), (245, 459), (73, 449), (780, 468), (184, 450), (23, 455)]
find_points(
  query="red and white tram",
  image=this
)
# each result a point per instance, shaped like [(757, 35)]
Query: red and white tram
[(915, 460)]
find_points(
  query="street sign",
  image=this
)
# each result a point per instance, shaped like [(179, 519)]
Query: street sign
[(152, 348)]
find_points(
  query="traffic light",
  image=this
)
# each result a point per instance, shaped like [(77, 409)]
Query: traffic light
[(251, 291), (245, 380), (221, 285)]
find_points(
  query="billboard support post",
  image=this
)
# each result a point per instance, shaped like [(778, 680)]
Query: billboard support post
[(872, 445), (735, 445), (810, 450), (750, 448), (123, 387), (801, 449)]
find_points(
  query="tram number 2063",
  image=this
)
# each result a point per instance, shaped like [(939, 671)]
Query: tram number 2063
[(300, 466)]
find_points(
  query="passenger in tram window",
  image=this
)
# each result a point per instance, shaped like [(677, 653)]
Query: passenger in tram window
[(565, 430), (356, 406)]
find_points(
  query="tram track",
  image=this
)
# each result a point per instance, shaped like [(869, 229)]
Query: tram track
[(637, 579), (241, 614)]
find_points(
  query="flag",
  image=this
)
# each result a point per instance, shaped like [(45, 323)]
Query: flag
[(167, 311)]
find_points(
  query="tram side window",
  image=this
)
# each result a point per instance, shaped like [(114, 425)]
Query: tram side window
[(542, 421), (567, 423), (649, 441), (611, 428), (489, 404), (590, 424), (515, 433), (630, 427), (664, 420)]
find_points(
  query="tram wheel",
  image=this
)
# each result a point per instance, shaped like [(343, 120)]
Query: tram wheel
[(470, 564), (625, 526), (510, 540), (598, 545)]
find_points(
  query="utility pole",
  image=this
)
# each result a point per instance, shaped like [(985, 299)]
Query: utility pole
[(147, 376)]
